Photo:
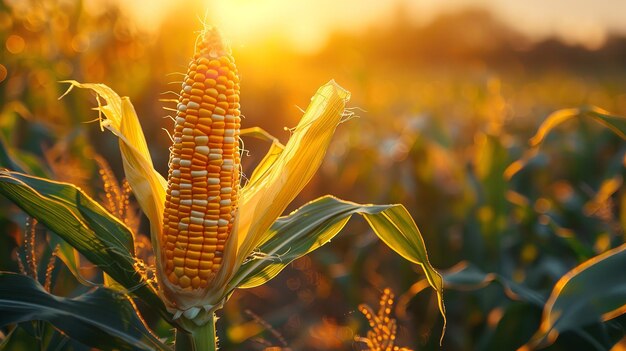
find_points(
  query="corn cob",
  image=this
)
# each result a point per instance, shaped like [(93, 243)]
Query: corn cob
[(204, 167)]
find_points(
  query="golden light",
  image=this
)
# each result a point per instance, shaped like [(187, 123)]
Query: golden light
[(15, 44), (3, 72), (306, 24)]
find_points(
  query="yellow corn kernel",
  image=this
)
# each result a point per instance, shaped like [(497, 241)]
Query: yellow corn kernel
[(204, 173)]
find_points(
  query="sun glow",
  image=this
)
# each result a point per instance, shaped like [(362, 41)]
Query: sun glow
[(305, 25)]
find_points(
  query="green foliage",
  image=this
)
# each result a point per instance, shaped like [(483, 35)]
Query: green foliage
[(39, 335), (84, 224), (100, 318), (469, 277), (535, 226), (106, 242), (318, 222), (592, 292)]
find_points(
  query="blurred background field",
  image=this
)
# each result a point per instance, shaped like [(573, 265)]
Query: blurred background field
[(446, 101)]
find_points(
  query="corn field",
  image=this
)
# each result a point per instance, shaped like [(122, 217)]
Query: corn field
[(405, 188)]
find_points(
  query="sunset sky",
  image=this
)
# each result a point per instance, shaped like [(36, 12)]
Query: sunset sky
[(307, 23)]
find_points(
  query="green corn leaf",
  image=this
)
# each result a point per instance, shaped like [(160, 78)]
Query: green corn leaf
[(47, 338), (65, 251), (84, 224), (592, 292), (99, 318), (6, 160), (94, 216), (317, 222), (466, 276), (19, 160), (70, 258)]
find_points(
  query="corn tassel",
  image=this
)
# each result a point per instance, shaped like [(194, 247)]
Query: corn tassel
[(204, 168)]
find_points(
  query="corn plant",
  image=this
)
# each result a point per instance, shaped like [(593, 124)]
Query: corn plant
[(210, 233), (582, 306)]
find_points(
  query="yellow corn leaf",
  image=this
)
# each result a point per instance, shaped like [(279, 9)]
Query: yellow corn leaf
[(112, 110), (264, 199), (147, 184), (270, 157), (272, 154), (259, 133), (554, 119), (617, 124), (600, 200), (518, 165), (267, 162)]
